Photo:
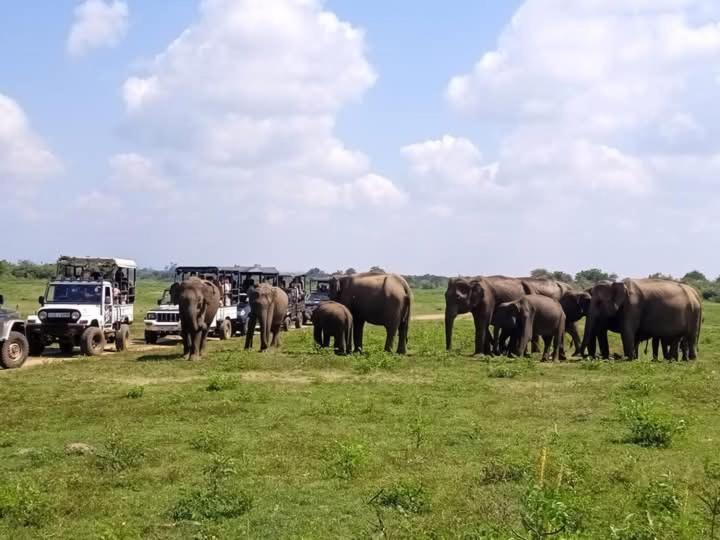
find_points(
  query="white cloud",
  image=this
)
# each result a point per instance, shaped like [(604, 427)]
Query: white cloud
[(136, 173), (593, 93), (244, 101), (24, 157), (97, 23)]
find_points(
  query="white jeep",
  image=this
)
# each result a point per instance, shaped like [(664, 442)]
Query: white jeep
[(164, 320), (14, 347), (88, 304)]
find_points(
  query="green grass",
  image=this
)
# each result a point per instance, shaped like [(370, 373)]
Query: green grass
[(304, 444)]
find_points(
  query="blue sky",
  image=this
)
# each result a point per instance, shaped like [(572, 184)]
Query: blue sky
[(463, 137)]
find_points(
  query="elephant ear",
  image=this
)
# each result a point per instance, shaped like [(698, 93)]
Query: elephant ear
[(584, 300), (477, 292), (619, 293)]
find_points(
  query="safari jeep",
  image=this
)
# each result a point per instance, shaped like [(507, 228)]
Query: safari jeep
[(164, 320), (88, 304), (14, 347)]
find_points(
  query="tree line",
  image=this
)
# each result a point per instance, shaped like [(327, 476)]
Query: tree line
[(710, 289)]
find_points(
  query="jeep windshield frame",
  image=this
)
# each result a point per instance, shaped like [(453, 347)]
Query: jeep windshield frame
[(74, 293)]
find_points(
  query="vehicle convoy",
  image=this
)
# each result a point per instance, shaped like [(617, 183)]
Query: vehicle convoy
[(14, 347), (164, 320), (319, 293), (294, 286), (88, 304)]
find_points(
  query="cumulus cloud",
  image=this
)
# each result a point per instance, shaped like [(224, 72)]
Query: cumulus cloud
[(24, 157), (595, 91), (245, 100), (97, 23)]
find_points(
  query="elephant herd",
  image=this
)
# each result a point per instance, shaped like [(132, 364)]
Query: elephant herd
[(522, 310), (373, 297)]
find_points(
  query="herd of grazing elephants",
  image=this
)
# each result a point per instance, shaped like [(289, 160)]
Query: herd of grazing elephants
[(520, 310)]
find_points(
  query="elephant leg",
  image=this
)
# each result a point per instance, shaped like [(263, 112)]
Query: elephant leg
[(547, 342), (338, 345), (498, 334), (187, 344), (403, 336), (628, 339), (535, 344), (655, 343), (326, 338), (317, 334), (391, 330), (481, 328), (604, 345), (196, 340), (358, 327), (275, 331), (571, 329)]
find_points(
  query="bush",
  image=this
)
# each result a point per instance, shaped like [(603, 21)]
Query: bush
[(545, 513), (344, 460), (204, 504), (405, 497), (119, 454), (648, 427), (497, 471), (135, 392), (23, 505), (220, 383)]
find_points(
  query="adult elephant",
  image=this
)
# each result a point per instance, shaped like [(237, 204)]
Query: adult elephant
[(576, 305), (376, 298), (546, 287), (268, 308), (645, 308), (198, 301), (479, 296)]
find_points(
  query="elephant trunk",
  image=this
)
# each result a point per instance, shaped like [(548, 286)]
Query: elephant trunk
[(588, 334), (450, 314)]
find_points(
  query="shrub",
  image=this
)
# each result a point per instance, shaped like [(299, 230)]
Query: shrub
[(135, 392), (502, 372), (497, 471), (220, 383), (23, 505), (344, 460), (405, 497), (647, 427), (204, 504), (545, 513), (119, 454)]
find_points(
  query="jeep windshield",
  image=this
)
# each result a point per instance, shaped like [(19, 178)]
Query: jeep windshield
[(318, 296), (74, 293)]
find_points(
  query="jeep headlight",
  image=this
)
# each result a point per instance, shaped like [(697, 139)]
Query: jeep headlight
[(150, 316), (42, 315), (242, 312), (75, 315)]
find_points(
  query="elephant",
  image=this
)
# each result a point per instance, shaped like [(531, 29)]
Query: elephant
[(332, 319), (531, 315), (479, 296), (576, 305), (376, 298), (546, 287), (645, 309), (198, 301), (268, 308)]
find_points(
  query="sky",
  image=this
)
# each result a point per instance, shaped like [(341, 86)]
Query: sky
[(463, 137)]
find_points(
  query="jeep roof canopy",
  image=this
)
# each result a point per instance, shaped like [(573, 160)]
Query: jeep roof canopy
[(75, 267)]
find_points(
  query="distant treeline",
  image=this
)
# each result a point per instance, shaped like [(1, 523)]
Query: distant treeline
[(710, 289)]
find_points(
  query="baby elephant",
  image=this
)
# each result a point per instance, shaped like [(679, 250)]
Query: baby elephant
[(331, 319), (532, 315)]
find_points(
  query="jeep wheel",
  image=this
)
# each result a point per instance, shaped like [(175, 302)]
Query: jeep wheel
[(37, 346), (224, 329), (122, 338), (14, 351), (66, 347), (92, 341), (151, 338)]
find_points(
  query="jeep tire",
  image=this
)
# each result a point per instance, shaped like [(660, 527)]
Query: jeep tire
[(14, 350), (151, 338), (122, 338), (92, 341), (224, 329)]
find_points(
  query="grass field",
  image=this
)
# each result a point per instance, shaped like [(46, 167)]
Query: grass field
[(303, 444)]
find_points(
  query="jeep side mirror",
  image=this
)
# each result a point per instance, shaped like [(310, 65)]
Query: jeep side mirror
[(41, 300), (159, 302), (2, 299)]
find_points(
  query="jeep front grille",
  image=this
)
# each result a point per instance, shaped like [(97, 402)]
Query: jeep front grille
[(167, 317)]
